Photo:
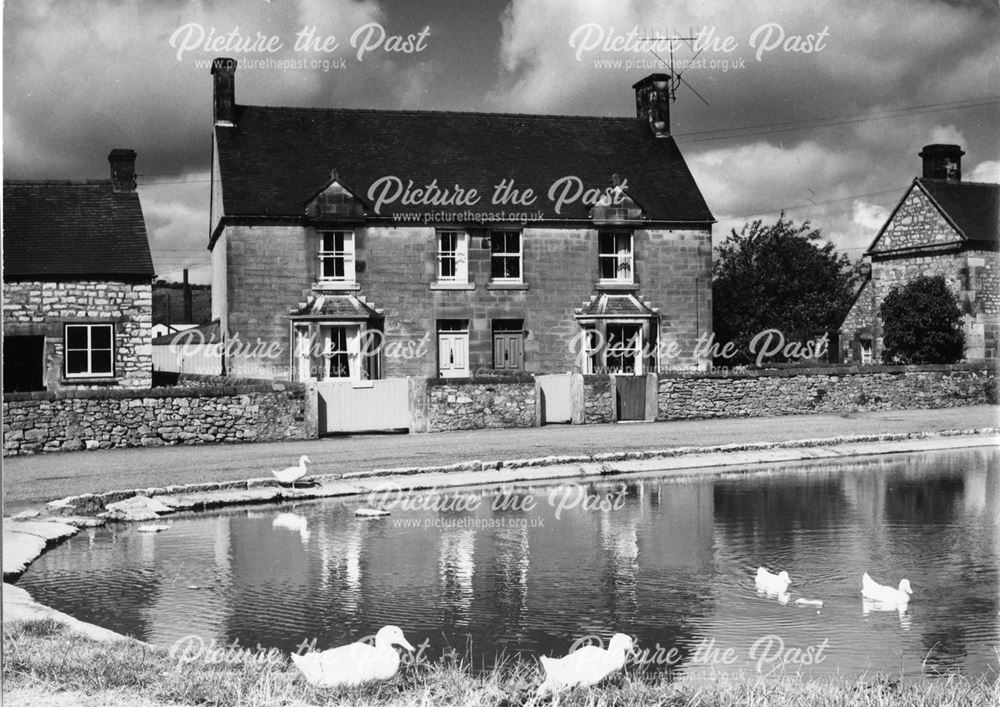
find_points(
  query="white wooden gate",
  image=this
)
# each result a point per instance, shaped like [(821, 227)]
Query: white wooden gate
[(557, 404), (365, 406)]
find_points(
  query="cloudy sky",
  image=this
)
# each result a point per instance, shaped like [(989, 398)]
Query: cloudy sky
[(815, 106)]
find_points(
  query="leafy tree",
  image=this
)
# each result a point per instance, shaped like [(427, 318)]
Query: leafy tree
[(778, 276), (921, 323)]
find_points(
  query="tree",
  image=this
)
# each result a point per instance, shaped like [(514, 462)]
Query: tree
[(921, 323), (778, 277)]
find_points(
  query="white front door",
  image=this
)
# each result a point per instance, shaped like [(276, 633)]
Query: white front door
[(453, 354)]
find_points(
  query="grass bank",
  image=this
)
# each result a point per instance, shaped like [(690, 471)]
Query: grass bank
[(46, 665)]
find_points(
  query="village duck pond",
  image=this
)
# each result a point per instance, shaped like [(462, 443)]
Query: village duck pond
[(534, 569)]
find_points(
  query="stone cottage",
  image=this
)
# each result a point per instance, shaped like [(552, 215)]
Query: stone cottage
[(941, 226), (367, 244), (77, 283)]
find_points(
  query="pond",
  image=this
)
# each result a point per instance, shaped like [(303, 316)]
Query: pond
[(534, 568)]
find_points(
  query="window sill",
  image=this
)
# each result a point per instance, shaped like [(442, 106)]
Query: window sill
[(323, 286), (507, 286), (453, 286), (615, 285), (89, 381)]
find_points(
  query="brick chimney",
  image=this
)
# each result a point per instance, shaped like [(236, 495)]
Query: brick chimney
[(942, 162), (122, 169), (224, 91), (652, 103)]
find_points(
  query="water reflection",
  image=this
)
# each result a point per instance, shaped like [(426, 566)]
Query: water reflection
[(294, 522), (672, 564), (871, 606), (456, 565)]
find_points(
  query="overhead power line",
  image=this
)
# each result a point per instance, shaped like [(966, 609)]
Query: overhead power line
[(827, 122)]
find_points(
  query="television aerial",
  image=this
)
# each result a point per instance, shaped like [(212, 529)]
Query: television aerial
[(676, 78)]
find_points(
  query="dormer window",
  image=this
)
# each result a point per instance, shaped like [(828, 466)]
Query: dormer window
[(336, 256), (615, 256)]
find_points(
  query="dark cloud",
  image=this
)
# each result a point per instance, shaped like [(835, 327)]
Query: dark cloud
[(82, 78)]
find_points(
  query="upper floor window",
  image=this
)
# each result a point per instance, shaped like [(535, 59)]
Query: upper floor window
[(336, 256), (505, 256), (453, 256), (90, 350), (615, 255)]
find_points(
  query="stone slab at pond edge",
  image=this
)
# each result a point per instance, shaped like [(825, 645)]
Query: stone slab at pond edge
[(19, 606), (25, 540)]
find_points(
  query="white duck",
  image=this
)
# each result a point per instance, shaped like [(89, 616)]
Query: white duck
[(585, 666), (293, 473), (772, 583), (355, 663), (881, 594)]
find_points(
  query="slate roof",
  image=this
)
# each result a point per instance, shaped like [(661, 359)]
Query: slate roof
[(611, 305), (336, 307), (60, 229), (973, 207), (275, 159)]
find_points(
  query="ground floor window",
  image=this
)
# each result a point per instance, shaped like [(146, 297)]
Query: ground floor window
[(339, 343), (23, 363), (453, 348), (624, 349), (337, 351), (89, 350), (617, 347)]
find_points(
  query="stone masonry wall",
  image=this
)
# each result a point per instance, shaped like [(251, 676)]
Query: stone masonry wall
[(972, 275), (467, 404), (42, 308), (598, 399), (271, 270), (859, 323), (74, 420), (801, 391)]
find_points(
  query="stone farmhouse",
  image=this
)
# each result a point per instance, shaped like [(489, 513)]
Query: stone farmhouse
[(941, 226), (77, 283), (360, 245)]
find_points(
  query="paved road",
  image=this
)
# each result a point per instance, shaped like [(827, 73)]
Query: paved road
[(44, 477)]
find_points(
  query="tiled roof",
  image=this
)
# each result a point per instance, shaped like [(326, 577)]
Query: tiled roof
[(73, 229), (973, 207), (277, 158), (611, 305), (336, 307)]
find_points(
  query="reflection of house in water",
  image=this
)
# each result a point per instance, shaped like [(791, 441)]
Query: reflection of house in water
[(511, 560), (207, 566), (340, 561), (679, 531), (457, 566), (620, 543)]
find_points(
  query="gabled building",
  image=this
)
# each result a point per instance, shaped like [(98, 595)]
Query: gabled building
[(360, 244), (77, 283), (941, 226)]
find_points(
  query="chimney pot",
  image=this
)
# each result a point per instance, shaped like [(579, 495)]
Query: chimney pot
[(652, 103), (122, 163), (224, 91), (942, 162)]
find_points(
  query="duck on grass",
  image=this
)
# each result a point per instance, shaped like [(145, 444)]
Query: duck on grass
[(45, 663)]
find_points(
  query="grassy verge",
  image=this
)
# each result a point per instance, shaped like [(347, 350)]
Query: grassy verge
[(45, 665)]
